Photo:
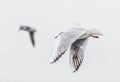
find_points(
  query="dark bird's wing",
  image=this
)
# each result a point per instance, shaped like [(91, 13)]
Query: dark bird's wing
[(32, 38), (77, 53)]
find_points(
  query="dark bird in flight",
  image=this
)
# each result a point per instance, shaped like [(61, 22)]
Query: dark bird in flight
[(31, 33)]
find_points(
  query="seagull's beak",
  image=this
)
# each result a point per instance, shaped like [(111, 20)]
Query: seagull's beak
[(97, 35), (94, 36)]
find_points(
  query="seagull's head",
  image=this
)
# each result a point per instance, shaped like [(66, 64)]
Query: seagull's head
[(94, 33)]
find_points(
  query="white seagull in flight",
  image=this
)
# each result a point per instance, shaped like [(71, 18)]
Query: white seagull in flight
[(74, 40), (31, 33)]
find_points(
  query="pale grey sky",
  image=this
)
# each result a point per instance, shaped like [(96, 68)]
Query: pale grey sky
[(20, 62)]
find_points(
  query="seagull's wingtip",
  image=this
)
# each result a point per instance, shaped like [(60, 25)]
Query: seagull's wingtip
[(51, 61), (74, 71)]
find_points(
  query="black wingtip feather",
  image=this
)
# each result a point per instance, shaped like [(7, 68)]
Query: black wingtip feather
[(57, 58)]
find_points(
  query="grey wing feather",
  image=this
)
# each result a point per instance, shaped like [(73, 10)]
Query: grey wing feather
[(32, 38), (63, 42), (59, 50), (77, 53)]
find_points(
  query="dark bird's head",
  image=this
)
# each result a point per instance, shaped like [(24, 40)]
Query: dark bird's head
[(26, 28)]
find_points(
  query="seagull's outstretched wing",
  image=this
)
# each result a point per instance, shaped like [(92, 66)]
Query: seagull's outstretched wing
[(64, 41), (77, 53), (32, 38)]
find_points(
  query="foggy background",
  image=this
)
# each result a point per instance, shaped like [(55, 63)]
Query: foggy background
[(20, 62)]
